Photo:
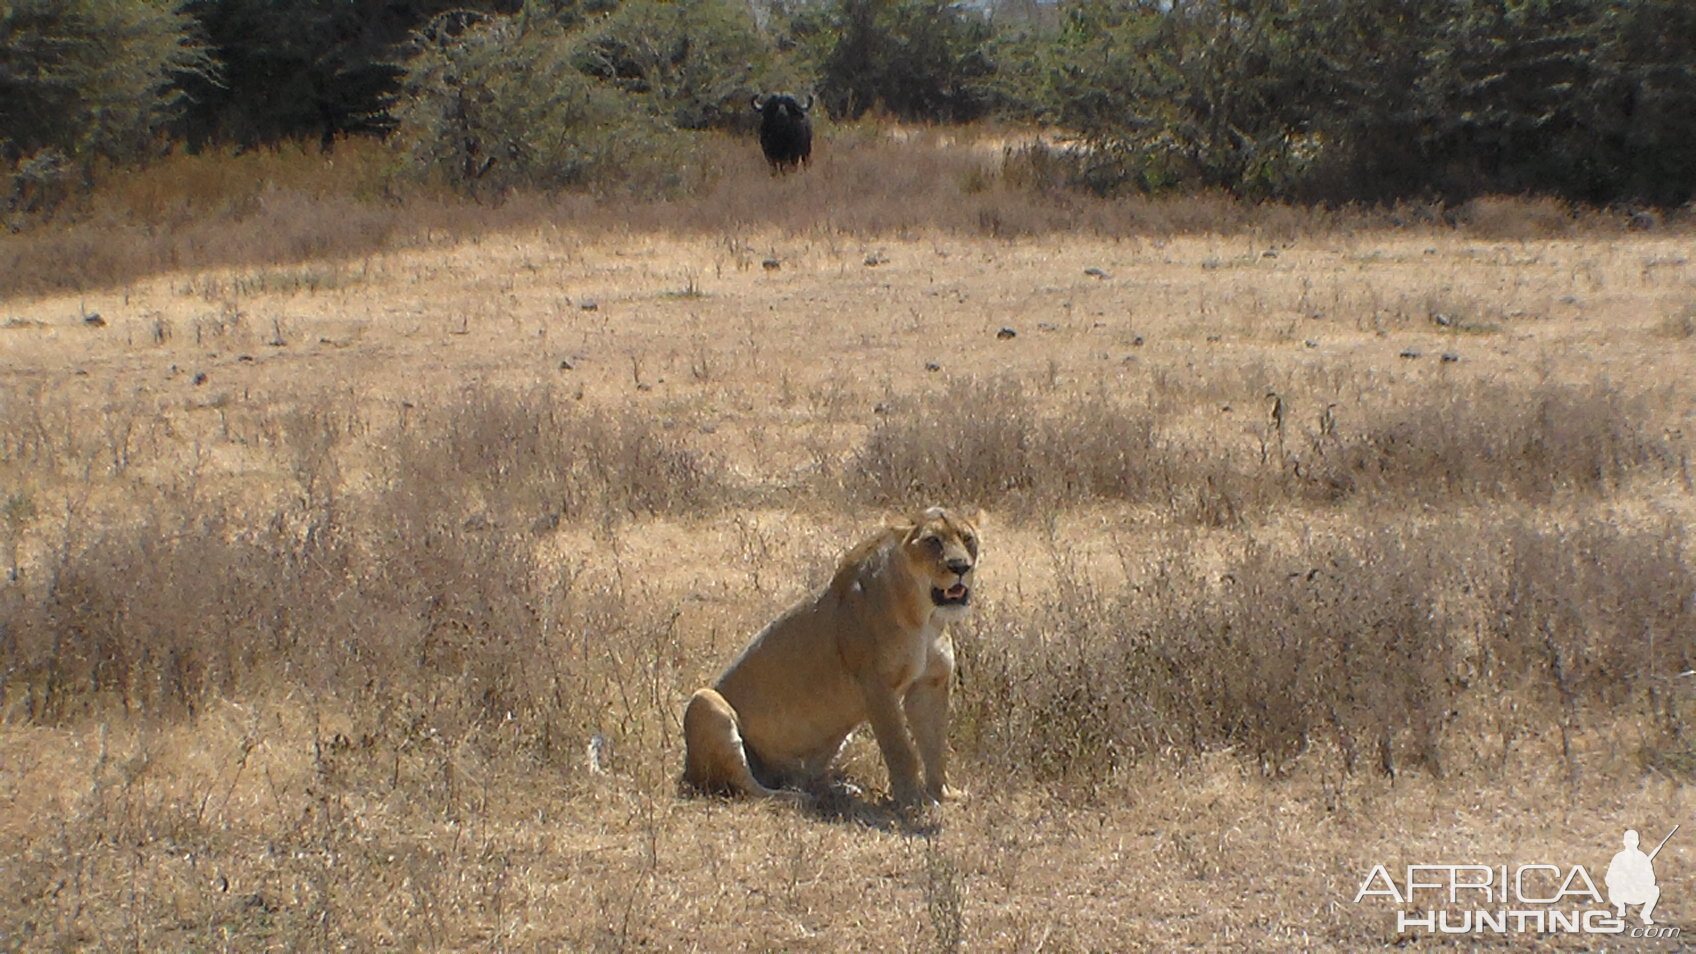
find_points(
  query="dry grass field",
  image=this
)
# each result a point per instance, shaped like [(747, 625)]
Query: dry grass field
[(1317, 543)]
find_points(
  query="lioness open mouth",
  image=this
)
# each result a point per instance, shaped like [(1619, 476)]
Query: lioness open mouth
[(956, 595)]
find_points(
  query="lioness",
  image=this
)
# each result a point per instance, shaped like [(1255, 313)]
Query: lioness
[(869, 647)]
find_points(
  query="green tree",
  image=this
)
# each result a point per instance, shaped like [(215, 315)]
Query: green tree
[(1168, 93), (92, 79), (1500, 96), (923, 60), (696, 63), (82, 81), (493, 103), (1588, 99), (1644, 110), (304, 69), (1378, 99)]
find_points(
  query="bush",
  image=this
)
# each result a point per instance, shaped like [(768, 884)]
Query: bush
[(421, 595), (497, 103), (301, 70), (920, 60), (1320, 100), (995, 442), (695, 65), (82, 81), (1387, 644), (527, 457), (989, 442), (1183, 95)]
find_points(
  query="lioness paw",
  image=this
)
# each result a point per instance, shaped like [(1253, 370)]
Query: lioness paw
[(913, 797)]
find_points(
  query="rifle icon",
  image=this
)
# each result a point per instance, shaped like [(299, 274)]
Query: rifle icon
[(1663, 843)]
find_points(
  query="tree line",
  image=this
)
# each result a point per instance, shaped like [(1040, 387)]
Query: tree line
[(1307, 100)]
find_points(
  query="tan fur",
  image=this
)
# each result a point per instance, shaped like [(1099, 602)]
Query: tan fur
[(869, 647)]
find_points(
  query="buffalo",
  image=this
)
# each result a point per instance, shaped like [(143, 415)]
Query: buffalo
[(786, 134)]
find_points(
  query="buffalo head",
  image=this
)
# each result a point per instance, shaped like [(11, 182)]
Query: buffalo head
[(786, 134)]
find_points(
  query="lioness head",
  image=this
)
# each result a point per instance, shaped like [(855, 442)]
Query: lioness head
[(941, 548)]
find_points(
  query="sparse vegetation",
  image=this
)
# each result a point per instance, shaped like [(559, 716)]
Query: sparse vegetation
[(1004, 442), (293, 213), (1386, 644), (1308, 529)]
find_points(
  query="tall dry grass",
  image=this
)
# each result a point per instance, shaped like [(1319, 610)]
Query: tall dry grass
[(409, 567), (291, 204), (417, 601), (1019, 442), (1393, 644), (271, 207)]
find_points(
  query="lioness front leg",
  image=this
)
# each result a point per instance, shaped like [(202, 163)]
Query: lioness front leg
[(889, 726), (927, 716)]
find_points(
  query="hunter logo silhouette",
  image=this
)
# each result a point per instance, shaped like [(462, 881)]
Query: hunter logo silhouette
[(1631, 876)]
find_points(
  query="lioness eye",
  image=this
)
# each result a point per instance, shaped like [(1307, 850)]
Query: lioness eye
[(935, 543)]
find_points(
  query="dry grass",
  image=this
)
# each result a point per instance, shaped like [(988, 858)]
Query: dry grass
[(322, 573), (1386, 643), (1441, 443), (292, 204)]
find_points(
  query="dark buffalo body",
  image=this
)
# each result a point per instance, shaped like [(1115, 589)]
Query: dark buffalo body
[(786, 134)]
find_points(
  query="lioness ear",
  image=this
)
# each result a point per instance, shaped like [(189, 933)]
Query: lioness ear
[(899, 524)]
